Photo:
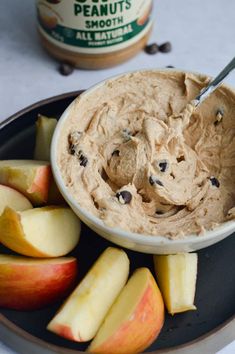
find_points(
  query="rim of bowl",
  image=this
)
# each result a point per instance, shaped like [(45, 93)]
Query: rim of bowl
[(139, 238)]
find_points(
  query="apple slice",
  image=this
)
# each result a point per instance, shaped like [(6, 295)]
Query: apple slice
[(40, 232), (176, 276), (32, 178), (44, 131), (14, 199), (82, 313), (29, 284), (134, 320)]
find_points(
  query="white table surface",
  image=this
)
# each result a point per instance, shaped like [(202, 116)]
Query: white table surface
[(202, 33)]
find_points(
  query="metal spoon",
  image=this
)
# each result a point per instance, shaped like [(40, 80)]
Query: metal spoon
[(206, 91)]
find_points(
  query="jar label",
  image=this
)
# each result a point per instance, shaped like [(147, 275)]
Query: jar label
[(94, 26)]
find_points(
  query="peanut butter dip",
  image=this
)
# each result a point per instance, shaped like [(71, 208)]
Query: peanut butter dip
[(129, 157)]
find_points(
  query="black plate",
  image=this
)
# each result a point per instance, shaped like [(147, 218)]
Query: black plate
[(216, 272)]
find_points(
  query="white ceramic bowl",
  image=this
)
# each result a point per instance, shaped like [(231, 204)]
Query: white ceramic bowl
[(137, 242)]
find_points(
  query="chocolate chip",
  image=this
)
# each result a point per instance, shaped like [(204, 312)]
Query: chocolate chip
[(66, 69), (124, 197), (163, 165), (151, 48), (159, 182), (165, 47), (72, 149), (220, 112), (82, 158), (159, 212), (180, 158), (219, 116), (153, 180), (74, 137), (215, 182), (116, 153)]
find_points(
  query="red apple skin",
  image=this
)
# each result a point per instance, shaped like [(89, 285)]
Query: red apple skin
[(40, 187), (65, 332), (31, 178), (139, 332), (34, 286)]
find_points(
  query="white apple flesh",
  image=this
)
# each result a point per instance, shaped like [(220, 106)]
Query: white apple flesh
[(134, 320), (81, 315), (176, 277), (13, 199), (40, 232), (31, 178), (44, 131)]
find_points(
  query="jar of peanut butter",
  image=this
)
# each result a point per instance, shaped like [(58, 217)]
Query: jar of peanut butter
[(94, 34)]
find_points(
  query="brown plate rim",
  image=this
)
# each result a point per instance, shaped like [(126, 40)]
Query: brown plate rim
[(58, 349)]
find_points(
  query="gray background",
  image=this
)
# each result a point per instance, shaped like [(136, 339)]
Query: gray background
[(202, 33)]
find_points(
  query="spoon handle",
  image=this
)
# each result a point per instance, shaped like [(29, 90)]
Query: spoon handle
[(206, 91)]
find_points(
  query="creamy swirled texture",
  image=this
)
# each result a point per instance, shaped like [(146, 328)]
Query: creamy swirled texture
[(129, 157)]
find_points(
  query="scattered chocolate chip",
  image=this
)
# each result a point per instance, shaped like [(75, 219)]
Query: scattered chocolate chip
[(165, 47), (170, 66), (124, 197), (163, 165), (104, 175), (66, 69), (83, 161), (159, 182), (159, 212), (214, 182), (180, 158), (72, 149), (219, 116), (151, 48), (74, 137), (116, 153), (82, 158), (153, 180), (220, 112)]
